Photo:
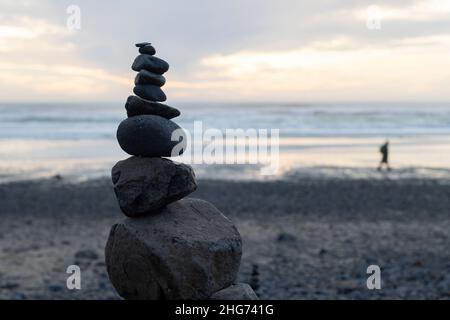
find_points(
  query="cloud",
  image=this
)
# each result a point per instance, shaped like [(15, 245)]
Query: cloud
[(317, 72), (227, 50), (21, 28), (39, 61), (59, 81), (425, 10)]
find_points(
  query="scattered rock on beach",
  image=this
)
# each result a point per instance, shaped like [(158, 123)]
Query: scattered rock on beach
[(147, 77), (19, 296), (86, 254), (143, 185), (188, 250), (136, 106), (286, 237), (150, 63), (9, 286), (149, 136), (237, 291), (149, 92), (254, 277), (55, 287)]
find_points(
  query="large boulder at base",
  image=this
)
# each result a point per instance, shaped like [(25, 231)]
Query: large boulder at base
[(237, 291), (150, 63), (136, 106), (188, 250), (150, 136), (143, 185)]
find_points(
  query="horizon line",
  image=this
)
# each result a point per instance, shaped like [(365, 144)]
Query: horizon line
[(235, 101)]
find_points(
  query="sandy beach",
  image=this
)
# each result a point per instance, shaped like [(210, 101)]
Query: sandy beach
[(309, 238)]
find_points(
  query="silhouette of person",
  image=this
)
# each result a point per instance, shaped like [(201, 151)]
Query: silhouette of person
[(384, 150)]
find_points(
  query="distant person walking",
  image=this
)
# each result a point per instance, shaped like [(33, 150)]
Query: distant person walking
[(384, 150)]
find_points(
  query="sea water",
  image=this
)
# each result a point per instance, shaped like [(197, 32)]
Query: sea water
[(77, 140)]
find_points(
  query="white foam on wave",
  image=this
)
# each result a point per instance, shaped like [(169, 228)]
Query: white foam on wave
[(78, 140)]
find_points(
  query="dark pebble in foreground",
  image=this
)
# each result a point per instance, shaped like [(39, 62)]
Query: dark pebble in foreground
[(86, 254), (147, 49), (55, 287), (150, 63), (150, 136), (136, 106), (142, 44), (149, 92), (147, 77)]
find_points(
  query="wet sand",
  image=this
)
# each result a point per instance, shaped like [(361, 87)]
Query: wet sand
[(309, 238)]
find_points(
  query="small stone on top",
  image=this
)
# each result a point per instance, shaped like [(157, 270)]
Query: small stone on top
[(142, 44)]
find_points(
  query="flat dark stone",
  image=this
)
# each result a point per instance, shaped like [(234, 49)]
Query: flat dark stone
[(150, 63), (136, 106), (150, 136), (147, 77), (142, 44), (149, 92), (147, 49)]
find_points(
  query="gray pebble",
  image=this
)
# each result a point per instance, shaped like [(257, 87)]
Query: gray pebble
[(136, 190), (147, 49), (136, 106), (147, 77), (150, 63), (149, 92), (86, 254)]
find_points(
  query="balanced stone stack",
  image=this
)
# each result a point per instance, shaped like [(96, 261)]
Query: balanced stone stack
[(167, 247)]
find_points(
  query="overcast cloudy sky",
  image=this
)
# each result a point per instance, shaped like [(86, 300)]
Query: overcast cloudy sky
[(234, 50)]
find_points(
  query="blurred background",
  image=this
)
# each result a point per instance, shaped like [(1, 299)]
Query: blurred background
[(336, 78)]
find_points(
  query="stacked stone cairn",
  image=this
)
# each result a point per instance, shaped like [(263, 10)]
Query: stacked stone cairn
[(168, 246)]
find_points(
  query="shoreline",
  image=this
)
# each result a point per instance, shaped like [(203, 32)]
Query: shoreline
[(311, 157), (242, 173)]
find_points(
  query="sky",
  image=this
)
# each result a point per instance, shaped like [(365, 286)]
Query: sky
[(234, 50)]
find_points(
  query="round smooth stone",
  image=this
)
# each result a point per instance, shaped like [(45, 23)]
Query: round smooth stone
[(150, 63), (148, 49), (151, 136), (149, 92), (136, 106), (147, 77)]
